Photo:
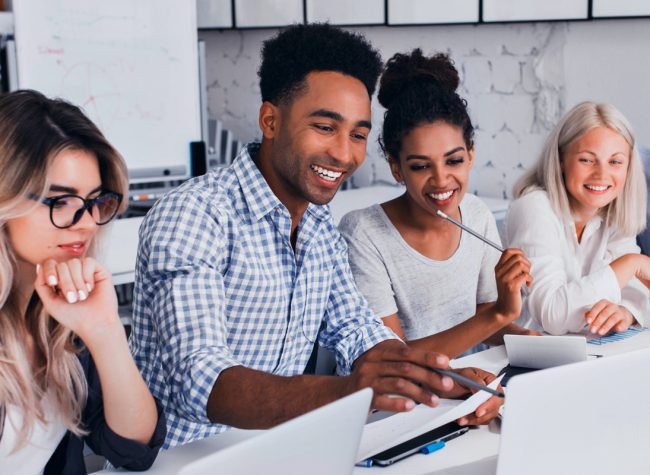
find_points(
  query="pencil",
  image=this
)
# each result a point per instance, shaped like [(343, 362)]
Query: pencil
[(468, 382), (471, 231)]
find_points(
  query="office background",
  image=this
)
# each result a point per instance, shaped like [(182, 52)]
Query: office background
[(518, 78)]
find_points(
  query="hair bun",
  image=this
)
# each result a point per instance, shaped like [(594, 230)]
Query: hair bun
[(404, 71)]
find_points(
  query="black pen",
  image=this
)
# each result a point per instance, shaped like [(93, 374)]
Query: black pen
[(459, 378), (471, 231)]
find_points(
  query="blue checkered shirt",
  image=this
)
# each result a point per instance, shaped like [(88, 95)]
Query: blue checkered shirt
[(218, 284)]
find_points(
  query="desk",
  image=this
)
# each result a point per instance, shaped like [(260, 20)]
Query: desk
[(474, 446), (118, 249)]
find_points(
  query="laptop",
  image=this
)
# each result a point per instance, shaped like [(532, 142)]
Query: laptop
[(591, 417), (324, 441), (541, 352)]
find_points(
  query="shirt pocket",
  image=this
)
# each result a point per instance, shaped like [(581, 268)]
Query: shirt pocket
[(317, 297)]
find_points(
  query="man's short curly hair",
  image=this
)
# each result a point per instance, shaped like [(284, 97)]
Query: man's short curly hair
[(293, 53)]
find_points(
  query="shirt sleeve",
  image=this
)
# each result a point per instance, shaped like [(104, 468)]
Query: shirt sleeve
[(556, 303), (486, 290), (118, 450), (634, 296), (350, 326), (182, 279)]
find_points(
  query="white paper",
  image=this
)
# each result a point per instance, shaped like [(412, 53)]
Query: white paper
[(391, 431)]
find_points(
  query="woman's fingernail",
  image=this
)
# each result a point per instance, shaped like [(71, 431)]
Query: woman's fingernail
[(480, 412), (71, 297), (447, 382), (82, 295), (409, 405), (38, 268), (89, 287), (462, 422), (51, 280), (434, 399)]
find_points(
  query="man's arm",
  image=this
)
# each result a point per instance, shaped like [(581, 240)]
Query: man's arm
[(251, 399)]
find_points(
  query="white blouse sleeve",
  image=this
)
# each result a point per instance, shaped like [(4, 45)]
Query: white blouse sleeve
[(556, 303), (635, 296)]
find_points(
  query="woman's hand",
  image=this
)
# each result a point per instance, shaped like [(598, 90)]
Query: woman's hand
[(606, 316), (490, 408), (512, 273), (78, 293)]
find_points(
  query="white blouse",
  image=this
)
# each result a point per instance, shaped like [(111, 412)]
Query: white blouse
[(32, 457), (569, 277)]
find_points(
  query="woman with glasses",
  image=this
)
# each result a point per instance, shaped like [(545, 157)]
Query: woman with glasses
[(66, 373)]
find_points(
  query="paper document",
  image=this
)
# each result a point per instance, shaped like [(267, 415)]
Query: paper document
[(391, 431)]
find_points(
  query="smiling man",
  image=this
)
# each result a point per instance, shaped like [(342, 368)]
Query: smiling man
[(241, 271)]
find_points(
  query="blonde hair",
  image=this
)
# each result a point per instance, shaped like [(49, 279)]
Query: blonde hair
[(33, 130), (626, 213)]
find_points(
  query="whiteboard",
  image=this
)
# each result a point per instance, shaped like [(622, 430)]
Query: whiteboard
[(131, 65)]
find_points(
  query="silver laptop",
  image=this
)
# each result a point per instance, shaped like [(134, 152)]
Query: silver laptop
[(591, 417), (324, 441), (544, 351)]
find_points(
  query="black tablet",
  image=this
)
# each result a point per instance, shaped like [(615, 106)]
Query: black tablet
[(443, 433)]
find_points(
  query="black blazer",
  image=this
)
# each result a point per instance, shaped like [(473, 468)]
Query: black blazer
[(68, 458)]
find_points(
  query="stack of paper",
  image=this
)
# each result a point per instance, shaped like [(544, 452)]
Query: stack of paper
[(391, 431)]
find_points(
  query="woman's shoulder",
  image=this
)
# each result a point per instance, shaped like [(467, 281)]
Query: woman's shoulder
[(475, 211), (362, 221)]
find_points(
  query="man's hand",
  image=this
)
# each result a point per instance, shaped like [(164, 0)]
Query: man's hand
[(400, 375)]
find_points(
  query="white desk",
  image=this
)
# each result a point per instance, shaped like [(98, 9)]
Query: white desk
[(118, 249), (472, 447)]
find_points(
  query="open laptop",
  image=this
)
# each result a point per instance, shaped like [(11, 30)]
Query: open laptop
[(324, 441), (591, 417), (544, 351)]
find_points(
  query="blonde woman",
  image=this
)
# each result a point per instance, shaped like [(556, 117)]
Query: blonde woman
[(66, 374), (576, 217)]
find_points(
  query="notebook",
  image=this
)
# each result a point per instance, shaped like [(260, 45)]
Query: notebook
[(591, 417), (324, 441)]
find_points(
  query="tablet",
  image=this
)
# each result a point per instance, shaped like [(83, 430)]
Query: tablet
[(541, 352), (417, 444)]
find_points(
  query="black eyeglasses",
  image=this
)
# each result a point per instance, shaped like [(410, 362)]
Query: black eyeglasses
[(67, 210)]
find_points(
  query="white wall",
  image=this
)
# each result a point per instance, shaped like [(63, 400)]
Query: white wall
[(517, 78)]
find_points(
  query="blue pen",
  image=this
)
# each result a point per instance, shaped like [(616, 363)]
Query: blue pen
[(364, 463), (437, 445)]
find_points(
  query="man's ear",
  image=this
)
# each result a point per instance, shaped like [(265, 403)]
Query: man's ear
[(269, 118)]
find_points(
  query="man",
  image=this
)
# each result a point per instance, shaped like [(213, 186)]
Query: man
[(240, 271)]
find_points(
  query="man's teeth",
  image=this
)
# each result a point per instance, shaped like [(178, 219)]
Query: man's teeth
[(596, 188), (441, 196), (325, 173)]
